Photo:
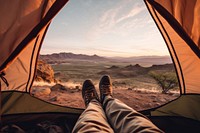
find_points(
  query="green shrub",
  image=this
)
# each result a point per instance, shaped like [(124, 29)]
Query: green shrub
[(166, 80)]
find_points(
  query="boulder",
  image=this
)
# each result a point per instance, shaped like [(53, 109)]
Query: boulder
[(58, 87), (41, 91)]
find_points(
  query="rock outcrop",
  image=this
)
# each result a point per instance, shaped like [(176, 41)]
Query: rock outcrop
[(45, 72)]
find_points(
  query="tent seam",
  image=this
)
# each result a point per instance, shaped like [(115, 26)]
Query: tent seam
[(31, 61), (35, 68)]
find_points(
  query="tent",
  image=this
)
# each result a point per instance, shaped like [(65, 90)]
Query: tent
[(23, 29)]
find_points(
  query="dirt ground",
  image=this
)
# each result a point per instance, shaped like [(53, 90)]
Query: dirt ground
[(137, 99)]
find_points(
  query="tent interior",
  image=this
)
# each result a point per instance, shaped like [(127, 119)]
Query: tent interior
[(22, 32)]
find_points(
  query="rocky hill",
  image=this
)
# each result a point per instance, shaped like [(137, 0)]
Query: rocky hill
[(135, 70), (167, 67)]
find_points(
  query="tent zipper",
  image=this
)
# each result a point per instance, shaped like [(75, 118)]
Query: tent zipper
[(2, 76)]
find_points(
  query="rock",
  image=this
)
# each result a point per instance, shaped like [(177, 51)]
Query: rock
[(127, 98), (154, 101), (149, 104), (77, 87), (157, 104), (53, 99), (130, 67), (162, 100), (71, 91), (58, 87), (138, 91), (44, 72), (113, 67), (41, 91), (137, 98), (39, 79), (57, 81), (130, 89), (152, 96)]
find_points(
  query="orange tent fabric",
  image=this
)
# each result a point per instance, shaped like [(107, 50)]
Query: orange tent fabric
[(23, 28), (179, 22)]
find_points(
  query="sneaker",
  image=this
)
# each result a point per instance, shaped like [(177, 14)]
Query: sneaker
[(89, 92), (105, 87)]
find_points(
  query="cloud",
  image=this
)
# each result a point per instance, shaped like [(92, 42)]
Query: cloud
[(120, 13), (107, 19), (132, 13), (118, 20)]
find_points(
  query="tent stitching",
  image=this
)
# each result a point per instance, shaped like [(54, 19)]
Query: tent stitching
[(37, 58), (31, 61)]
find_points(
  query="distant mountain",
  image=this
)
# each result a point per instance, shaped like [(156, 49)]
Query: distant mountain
[(142, 60), (148, 60), (64, 57)]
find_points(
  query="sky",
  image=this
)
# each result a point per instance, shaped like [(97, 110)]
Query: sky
[(104, 27)]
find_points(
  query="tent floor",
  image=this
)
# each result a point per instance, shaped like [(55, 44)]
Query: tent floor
[(22, 112), (39, 122), (61, 122), (174, 124)]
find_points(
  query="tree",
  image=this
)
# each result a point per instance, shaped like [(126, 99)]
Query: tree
[(166, 80)]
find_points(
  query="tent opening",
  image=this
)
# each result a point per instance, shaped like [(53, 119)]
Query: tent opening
[(88, 39)]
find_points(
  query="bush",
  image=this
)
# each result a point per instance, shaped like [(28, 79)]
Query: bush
[(166, 80)]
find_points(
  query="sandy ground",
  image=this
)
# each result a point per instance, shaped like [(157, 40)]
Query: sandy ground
[(137, 99)]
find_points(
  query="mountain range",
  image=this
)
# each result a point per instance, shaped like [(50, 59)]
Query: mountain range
[(65, 57)]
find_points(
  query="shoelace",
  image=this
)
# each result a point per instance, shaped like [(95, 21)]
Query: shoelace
[(105, 89), (89, 94)]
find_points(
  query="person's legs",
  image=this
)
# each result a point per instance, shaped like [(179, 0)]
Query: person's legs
[(93, 119), (121, 117), (125, 119)]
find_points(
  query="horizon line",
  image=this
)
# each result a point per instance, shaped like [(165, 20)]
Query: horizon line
[(106, 56)]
